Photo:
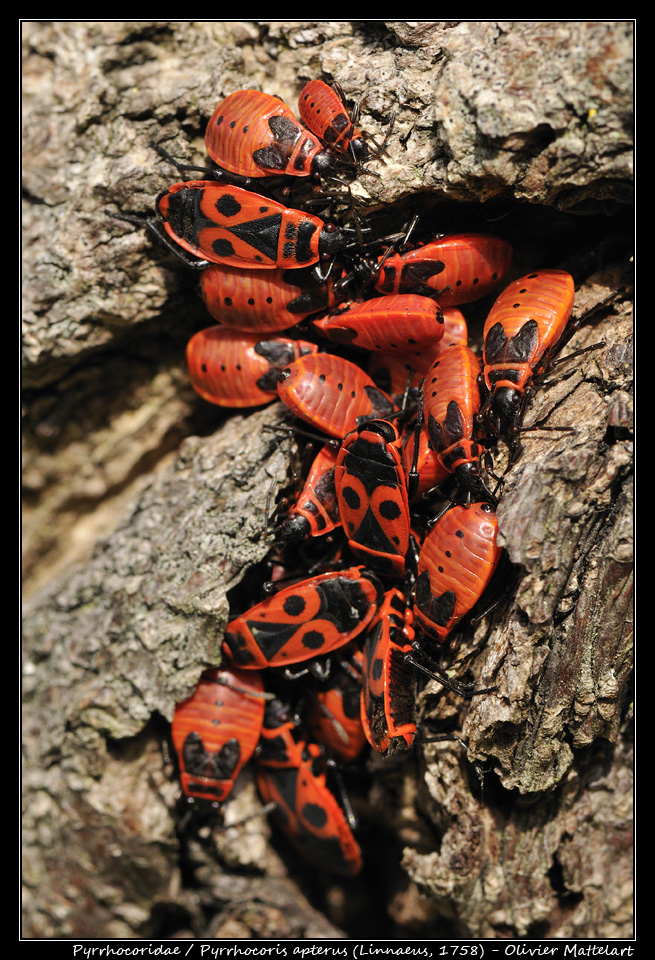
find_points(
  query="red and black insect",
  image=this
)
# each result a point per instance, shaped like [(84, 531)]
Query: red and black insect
[(292, 774), (233, 368), (333, 715), (522, 332), (226, 224), (392, 371), (324, 110), (402, 323), (316, 510), (457, 560), (372, 493), (388, 701), (451, 405), (332, 394), (308, 619), (216, 730), (426, 463), (455, 270), (254, 134), (263, 301)]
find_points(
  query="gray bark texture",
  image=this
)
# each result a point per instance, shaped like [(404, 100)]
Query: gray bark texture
[(143, 507)]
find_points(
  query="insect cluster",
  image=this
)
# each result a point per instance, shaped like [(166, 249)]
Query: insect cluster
[(361, 336)]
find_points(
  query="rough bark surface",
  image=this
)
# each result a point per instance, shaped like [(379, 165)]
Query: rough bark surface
[(143, 508)]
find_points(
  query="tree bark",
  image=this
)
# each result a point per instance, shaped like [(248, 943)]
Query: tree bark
[(144, 508)]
